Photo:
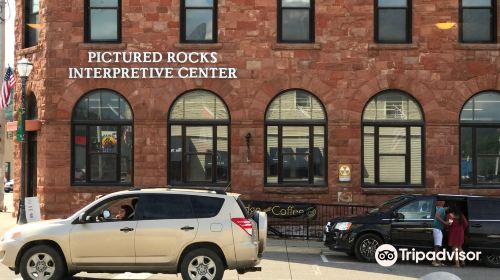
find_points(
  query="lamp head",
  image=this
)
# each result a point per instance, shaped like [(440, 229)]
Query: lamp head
[(24, 67)]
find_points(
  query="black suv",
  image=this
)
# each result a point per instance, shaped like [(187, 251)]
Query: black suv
[(406, 221)]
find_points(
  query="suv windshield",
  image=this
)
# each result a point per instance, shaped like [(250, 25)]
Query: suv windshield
[(388, 205)]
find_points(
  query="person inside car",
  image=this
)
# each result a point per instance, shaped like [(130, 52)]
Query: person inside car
[(437, 229), (125, 212)]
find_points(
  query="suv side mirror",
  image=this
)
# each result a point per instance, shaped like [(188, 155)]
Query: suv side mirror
[(398, 216)]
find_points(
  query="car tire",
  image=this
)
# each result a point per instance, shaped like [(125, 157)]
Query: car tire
[(491, 260), (365, 247), (48, 261), (212, 267)]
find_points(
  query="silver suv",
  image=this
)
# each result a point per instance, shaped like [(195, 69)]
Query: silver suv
[(197, 233)]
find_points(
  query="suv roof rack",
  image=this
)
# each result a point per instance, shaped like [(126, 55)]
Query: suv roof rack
[(208, 189)]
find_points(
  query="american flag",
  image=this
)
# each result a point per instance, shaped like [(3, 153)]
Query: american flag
[(8, 82)]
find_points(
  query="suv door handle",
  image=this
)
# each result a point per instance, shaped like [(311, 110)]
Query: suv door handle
[(186, 228), (476, 225), (126, 229)]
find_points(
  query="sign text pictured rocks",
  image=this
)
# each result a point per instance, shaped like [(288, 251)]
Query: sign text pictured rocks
[(153, 65)]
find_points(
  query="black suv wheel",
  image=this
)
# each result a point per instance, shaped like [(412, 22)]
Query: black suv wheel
[(365, 247), (202, 264), (42, 262)]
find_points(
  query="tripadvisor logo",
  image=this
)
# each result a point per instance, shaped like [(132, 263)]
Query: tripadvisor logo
[(386, 255)]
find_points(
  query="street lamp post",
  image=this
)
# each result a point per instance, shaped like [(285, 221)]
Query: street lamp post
[(24, 68)]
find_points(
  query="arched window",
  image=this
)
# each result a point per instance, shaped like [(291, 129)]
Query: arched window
[(295, 140), (198, 140), (480, 140), (102, 134), (393, 142)]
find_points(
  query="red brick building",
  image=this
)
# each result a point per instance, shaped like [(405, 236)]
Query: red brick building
[(319, 84)]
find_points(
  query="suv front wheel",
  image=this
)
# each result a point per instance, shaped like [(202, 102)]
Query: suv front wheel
[(365, 247), (42, 262), (202, 264)]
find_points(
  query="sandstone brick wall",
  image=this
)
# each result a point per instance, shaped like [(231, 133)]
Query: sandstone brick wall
[(344, 69)]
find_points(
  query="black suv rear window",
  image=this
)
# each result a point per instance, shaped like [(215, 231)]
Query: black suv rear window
[(206, 207), (484, 209)]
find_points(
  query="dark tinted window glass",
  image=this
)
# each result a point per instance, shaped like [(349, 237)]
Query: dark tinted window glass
[(126, 154), (477, 21), (80, 155), (295, 21), (199, 3), (484, 209), (170, 206), (392, 25), (295, 25), (32, 23), (476, 25), (488, 141), (296, 3), (418, 209), (392, 21), (466, 155), (206, 207), (199, 19), (103, 24), (103, 18), (488, 170), (199, 25), (103, 168)]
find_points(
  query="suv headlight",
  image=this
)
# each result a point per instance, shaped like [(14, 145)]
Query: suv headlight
[(327, 227), (343, 226)]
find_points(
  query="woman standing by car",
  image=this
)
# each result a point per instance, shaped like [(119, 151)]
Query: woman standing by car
[(458, 225)]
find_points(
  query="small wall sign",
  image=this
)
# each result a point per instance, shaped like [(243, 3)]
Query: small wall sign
[(32, 209), (345, 175)]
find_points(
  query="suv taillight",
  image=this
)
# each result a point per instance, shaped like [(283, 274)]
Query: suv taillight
[(244, 223)]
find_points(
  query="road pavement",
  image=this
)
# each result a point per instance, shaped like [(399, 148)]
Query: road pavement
[(300, 260)]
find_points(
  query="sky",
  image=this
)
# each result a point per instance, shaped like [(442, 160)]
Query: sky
[(9, 32)]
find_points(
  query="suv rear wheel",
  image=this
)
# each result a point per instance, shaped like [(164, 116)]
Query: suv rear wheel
[(202, 264), (42, 262), (366, 246)]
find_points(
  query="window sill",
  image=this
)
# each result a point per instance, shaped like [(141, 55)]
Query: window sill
[(477, 46), (393, 190), (201, 46), (296, 46), (29, 50), (103, 46), (296, 189), (404, 46)]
